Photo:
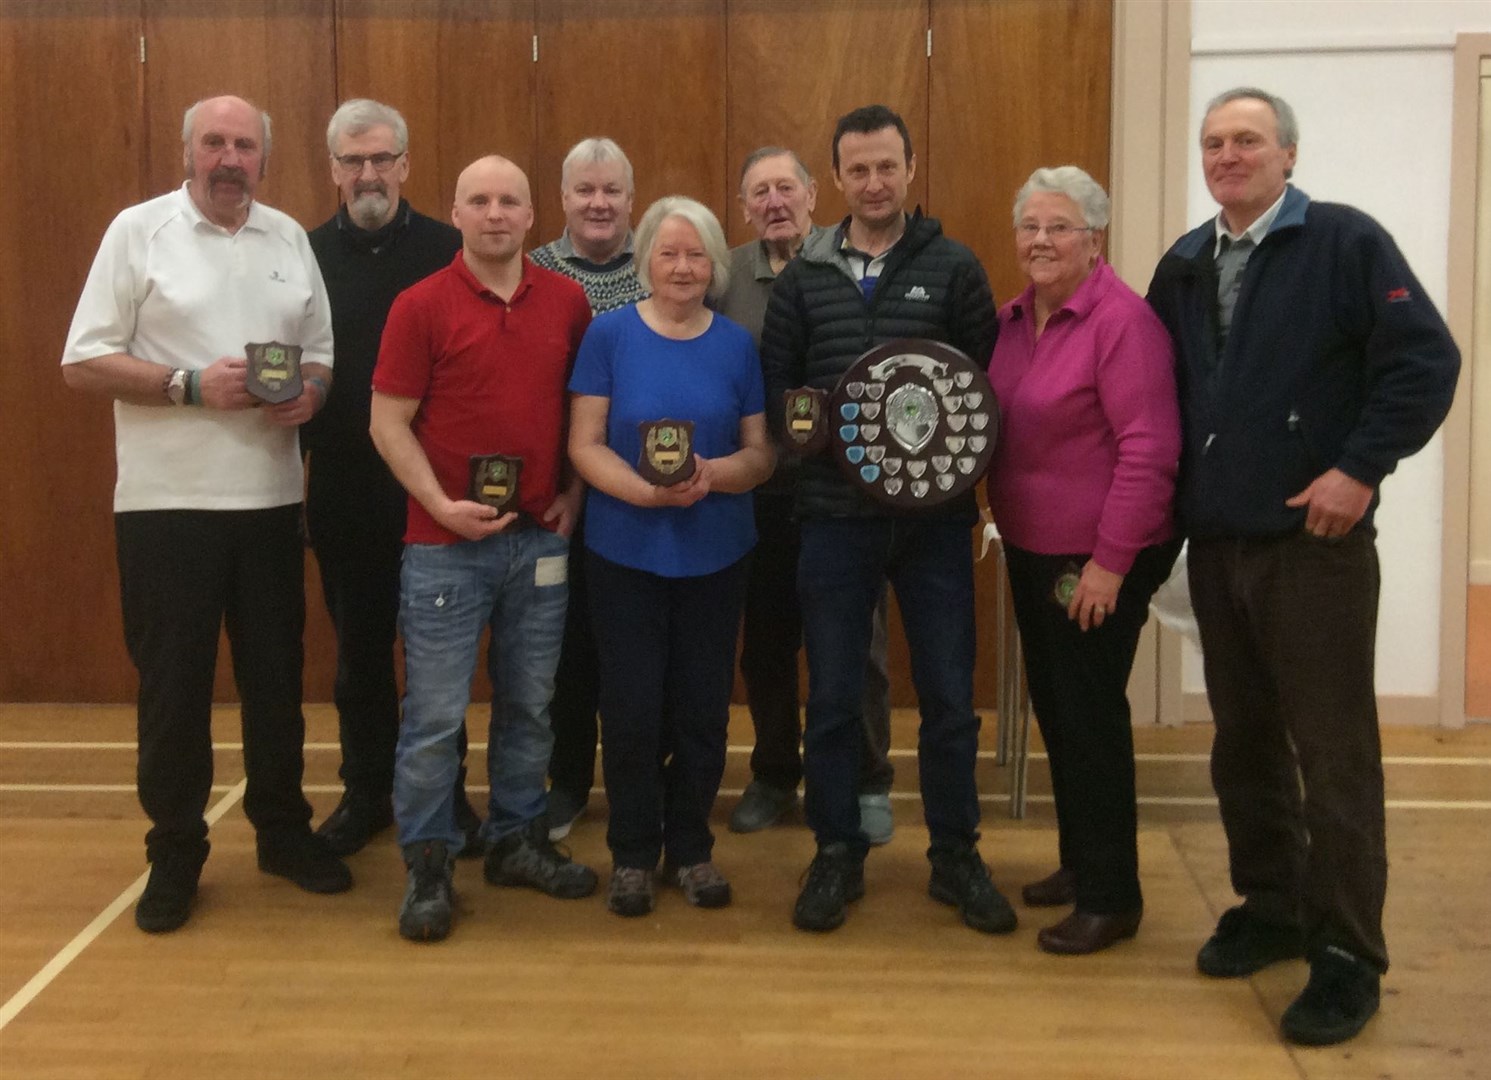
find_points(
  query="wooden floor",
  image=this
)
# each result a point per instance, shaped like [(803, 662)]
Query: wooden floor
[(268, 982)]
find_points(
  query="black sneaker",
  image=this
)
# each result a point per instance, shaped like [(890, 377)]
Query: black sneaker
[(307, 861), (529, 858), (960, 878), (166, 903), (835, 878), (469, 822), (1244, 943), (630, 893), (354, 822), (428, 908), (1341, 996)]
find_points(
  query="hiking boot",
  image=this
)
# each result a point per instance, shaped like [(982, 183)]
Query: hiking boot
[(1244, 943), (760, 807), (306, 860), (1341, 996), (703, 885), (529, 858), (354, 822), (876, 820), (166, 903), (630, 891), (960, 878), (834, 879), (428, 908), (565, 808)]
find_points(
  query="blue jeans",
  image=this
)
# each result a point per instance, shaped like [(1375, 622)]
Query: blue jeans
[(844, 565), (516, 583)]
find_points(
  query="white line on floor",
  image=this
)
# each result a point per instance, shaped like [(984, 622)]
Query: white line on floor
[(70, 952)]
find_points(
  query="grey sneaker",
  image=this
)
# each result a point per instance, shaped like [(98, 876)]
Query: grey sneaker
[(703, 885), (565, 808), (529, 858), (630, 893), (876, 820), (760, 806), (428, 898)]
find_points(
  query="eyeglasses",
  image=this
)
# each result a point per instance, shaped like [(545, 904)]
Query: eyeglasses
[(1029, 230), (354, 162)]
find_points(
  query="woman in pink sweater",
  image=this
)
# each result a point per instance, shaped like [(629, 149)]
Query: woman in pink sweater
[(1081, 488)]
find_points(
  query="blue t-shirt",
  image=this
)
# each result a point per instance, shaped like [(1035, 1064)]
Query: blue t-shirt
[(713, 380)]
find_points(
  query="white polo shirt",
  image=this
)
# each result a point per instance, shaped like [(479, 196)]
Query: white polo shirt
[(170, 286)]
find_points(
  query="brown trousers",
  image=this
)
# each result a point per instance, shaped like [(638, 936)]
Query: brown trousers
[(1288, 627)]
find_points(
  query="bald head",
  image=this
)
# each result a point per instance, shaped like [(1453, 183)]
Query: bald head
[(493, 210), (225, 152)]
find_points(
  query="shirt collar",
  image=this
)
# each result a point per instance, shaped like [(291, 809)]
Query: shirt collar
[(472, 282), (761, 259), (1254, 232), (254, 221), (379, 238), (1080, 303), (564, 247)]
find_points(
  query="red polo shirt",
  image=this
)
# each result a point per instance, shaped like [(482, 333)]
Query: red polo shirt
[(490, 378)]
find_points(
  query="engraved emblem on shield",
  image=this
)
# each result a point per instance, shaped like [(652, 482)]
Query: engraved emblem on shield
[(273, 371), (916, 451), (805, 425), (667, 451), (493, 480)]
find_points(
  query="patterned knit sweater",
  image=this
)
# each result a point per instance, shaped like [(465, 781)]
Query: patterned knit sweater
[(607, 286)]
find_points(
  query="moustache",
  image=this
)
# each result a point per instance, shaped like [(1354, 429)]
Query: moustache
[(369, 187), (229, 174)]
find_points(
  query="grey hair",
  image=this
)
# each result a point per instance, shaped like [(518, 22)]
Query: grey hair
[(1283, 114), (1075, 184), (188, 117), (705, 224), (596, 151), (360, 115), (755, 157)]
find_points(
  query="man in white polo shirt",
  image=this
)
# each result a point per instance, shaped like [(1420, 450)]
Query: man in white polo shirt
[(207, 502)]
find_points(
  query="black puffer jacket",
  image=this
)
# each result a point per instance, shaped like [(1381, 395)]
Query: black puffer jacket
[(818, 323)]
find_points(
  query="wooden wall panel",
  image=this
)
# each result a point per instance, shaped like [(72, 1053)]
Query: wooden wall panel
[(1016, 85), (647, 73), (75, 157), (461, 72), (794, 69), (278, 54)]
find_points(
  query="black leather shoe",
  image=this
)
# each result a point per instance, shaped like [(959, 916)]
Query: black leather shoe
[(1056, 890), (305, 860), (1081, 933), (166, 903), (354, 822)]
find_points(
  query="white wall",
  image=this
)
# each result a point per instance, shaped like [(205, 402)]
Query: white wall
[(1370, 81)]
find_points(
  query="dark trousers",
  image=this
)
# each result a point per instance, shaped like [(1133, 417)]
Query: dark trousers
[(771, 637), (1079, 689), (842, 572), (184, 575), (576, 685), (355, 512), (1288, 629), (667, 653)]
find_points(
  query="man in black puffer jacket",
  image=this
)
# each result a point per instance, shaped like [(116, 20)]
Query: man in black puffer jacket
[(879, 276)]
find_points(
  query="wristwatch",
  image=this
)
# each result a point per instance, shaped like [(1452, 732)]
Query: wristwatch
[(176, 387)]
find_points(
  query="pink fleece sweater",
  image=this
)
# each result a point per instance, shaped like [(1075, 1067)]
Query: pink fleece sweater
[(1090, 438)]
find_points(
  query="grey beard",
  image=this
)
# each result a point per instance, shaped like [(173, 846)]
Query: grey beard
[(369, 210)]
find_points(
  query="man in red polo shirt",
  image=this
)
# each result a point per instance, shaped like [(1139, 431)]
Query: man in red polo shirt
[(473, 364)]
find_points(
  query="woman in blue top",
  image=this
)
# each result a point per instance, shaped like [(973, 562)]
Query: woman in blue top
[(666, 564)]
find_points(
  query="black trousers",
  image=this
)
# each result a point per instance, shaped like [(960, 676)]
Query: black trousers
[(1078, 688), (1288, 631), (184, 575), (771, 637), (572, 713), (355, 513), (667, 659)]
